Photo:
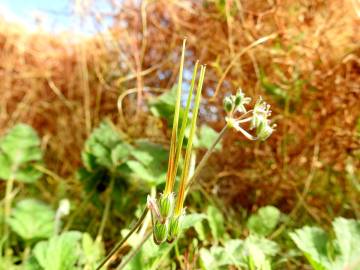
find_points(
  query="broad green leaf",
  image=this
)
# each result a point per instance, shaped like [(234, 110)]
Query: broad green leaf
[(347, 233), (190, 220), (258, 251), (164, 106), (61, 252), (32, 219), (207, 260), (234, 249), (206, 137), (92, 252), (19, 152), (214, 259), (150, 162), (105, 148), (264, 221), (313, 241), (140, 171), (216, 222)]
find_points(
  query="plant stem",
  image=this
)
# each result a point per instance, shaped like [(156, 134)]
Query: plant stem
[(120, 244), (106, 210), (134, 252), (206, 157)]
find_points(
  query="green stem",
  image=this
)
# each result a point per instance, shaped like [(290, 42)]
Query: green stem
[(121, 243), (106, 210), (206, 157), (134, 252)]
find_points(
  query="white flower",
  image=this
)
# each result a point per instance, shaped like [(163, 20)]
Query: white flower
[(260, 113)]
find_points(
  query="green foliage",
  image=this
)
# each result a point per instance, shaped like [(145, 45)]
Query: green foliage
[(105, 148), (252, 253), (61, 252), (92, 251), (149, 163), (264, 221), (32, 220), (206, 137), (216, 222), (108, 154), (19, 154), (163, 106), (317, 247)]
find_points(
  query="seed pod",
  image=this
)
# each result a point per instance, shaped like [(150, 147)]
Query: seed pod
[(228, 104), (166, 206), (175, 227), (160, 232)]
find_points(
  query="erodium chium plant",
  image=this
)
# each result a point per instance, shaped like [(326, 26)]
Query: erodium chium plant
[(167, 209)]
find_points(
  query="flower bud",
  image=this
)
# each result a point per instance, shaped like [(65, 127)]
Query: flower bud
[(228, 104), (160, 232), (239, 98), (175, 227), (166, 206)]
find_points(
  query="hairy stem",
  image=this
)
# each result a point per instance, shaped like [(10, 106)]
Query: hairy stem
[(122, 242), (134, 252)]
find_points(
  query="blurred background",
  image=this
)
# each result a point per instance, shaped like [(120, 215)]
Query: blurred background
[(64, 65)]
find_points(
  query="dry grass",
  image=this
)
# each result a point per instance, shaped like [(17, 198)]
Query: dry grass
[(308, 49)]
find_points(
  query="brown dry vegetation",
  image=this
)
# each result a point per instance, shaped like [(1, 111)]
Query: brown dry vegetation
[(308, 51)]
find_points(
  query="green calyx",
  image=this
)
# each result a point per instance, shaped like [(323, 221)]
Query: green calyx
[(175, 227), (160, 232), (228, 104), (166, 206)]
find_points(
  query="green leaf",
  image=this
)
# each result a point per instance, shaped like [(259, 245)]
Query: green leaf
[(164, 106), (32, 219), (216, 222), (61, 252), (105, 148), (19, 153), (150, 162), (214, 259), (190, 220), (347, 233), (313, 241), (92, 252), (268, 247), (264, 221), (206, 137)]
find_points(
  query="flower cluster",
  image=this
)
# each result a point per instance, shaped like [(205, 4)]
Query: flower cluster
[(258, 116)]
